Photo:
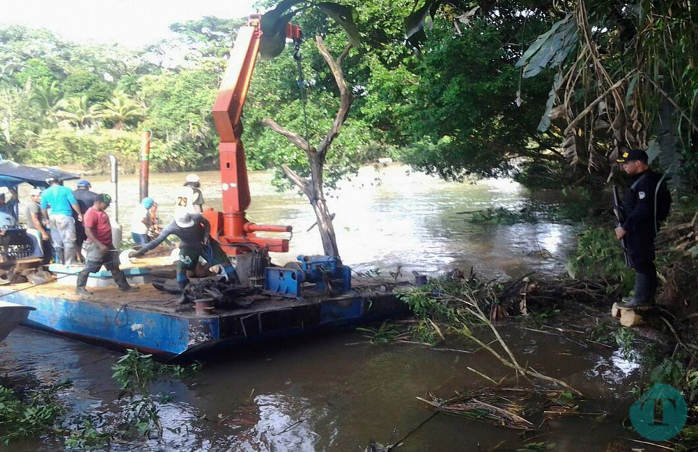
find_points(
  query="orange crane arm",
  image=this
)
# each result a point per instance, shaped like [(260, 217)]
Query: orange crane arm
[(231, 227)]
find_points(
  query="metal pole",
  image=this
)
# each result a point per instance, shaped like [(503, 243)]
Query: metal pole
[(145, 164), (115, 180)]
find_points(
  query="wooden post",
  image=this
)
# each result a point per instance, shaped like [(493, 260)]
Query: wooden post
[(145, 164)]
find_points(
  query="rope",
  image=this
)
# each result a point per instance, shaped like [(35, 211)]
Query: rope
[(35, 285), (301, 85)]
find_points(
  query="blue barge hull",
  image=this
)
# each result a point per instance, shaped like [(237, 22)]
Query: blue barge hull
[(149, 320)]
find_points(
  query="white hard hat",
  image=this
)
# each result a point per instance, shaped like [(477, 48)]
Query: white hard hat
[(192, 178), (184, 221), (36, 192)]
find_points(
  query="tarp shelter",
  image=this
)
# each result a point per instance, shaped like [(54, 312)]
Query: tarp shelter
[(13, 174)]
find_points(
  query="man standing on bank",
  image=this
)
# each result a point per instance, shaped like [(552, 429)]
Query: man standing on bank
[(645, 206), (99, 247)]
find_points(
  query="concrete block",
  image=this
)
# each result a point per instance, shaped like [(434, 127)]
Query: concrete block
[(629, 317), (615, 311)]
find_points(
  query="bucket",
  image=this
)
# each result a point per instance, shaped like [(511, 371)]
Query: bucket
[(420, 280)]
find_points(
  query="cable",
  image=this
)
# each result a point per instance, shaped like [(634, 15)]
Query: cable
[(301, 85)]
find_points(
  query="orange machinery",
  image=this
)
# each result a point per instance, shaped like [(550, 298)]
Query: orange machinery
[(231, 227)]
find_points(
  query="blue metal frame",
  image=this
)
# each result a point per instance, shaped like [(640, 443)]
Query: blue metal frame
[(128, 327)]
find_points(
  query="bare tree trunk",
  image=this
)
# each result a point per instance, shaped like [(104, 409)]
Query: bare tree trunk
[(313, 188)]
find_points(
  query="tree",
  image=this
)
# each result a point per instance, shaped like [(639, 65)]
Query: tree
[(313, 187), (45, 98), (273, 39), (77, 112), (121, 110), (88, 85), (627, 78)]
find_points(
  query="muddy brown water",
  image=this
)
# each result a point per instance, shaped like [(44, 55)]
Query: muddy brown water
[(336, 392)]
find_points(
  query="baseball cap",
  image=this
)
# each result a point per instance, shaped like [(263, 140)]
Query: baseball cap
[(633, 154), (103, 198), (84, 183)]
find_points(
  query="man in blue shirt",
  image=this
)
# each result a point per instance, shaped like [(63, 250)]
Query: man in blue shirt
[(63, 236)]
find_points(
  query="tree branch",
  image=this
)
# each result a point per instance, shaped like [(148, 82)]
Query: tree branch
[(346, 98), (344, 54), (301, 182), (292, 137)]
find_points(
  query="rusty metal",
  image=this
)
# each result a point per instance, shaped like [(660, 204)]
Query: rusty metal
[(145, 164)]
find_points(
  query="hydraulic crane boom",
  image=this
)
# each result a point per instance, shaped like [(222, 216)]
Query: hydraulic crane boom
[(231, 227)]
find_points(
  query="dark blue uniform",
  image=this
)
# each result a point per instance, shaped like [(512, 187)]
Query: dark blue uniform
[(85, 199), (641, 226)]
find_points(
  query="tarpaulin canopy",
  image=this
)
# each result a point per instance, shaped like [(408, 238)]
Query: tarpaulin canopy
[(13, 174)]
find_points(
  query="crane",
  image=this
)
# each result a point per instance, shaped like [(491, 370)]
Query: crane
[(231, 227)]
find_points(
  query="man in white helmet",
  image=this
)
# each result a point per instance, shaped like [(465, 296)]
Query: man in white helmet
[(189, 198)]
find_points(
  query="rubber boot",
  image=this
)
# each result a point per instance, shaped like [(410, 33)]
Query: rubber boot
[(122, 282), (69, 255), (60, 256), (645, 287), (82, 282), (182, 282)]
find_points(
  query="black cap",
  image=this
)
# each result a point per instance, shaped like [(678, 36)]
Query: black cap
[(103, 198), (633, 154)]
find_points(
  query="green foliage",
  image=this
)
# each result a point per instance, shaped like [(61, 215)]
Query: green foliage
[(29, 414), (384, 334), (87, 436), (427, 302), (135, 373), (624, 338), (462, 108), (36, 72), (572, 210), (598, 254), (670, 371), (88, 85), (90, 149)]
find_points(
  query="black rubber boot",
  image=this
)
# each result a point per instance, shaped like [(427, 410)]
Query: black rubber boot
[(82, 282), (645, 286), (122, 282)]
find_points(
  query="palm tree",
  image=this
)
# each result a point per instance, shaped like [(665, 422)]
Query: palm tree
[(77, 112), (122, 109), (46, 99)]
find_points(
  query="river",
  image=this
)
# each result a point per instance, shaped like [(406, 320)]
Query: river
[(337, 392)]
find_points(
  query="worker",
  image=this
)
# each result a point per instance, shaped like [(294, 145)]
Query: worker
[(85, 199), (36, 227), (194, 232), (142, 221), (189, 198), (643, 212), (61, 221), (8, 218), (8, 207), (99, 247)]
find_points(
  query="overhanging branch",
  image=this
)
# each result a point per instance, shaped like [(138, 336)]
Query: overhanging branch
[(292, 137), (301, 182), (346, 98)]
